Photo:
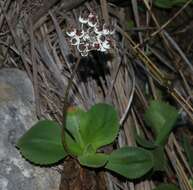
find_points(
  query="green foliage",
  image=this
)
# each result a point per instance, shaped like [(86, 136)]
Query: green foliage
[(86, 132), (159, 159), (167, 4), (130, 162), (99, 126), (73, 138), (95, 160), (130, 24), (91, 127), (141, 141), (161, 117), (166, 187), (157, 152), (42, 143)]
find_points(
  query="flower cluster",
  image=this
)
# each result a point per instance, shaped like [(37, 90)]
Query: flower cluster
[(92, 35)]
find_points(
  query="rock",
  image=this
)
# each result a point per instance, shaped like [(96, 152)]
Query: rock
[(17, 114)]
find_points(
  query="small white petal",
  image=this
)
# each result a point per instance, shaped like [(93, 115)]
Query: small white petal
[(101, 38), (71, 33), (102, 49), (75, 41), (91, 24), (106, 44), (84, 54), (106, 31), (98, 37), (82, 20), (91, 15), (86, 37), (97, 31), (85, 47), (111, 32)]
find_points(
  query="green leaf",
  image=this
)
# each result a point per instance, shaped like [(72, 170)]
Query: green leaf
[(99, 126), (130, 162), (159, 159), (166, 187), (141, 141), (164, 3), (161, 117), (130, 24), (89, 150), (93, 160), (157, 152), (188, 149), (42, 143), (167, 4), (73, 138)]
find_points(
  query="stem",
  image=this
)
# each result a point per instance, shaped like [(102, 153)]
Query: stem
[(65, 106)]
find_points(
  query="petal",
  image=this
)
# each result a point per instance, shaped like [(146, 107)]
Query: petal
[(102, 49), (101, 38), (91, 15), (71, 33), (111, 32), (98, 31), (106, 31), (92, 24), (106, 44), (82, 20), (75, 41), (82, 47), (86, 37), (84, 54)]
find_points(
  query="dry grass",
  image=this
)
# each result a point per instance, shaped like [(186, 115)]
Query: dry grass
[(34, 40)]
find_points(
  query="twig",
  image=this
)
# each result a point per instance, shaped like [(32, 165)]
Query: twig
[(164, 25), (35, 71), (104, 8), (181, 53), (17, 42)]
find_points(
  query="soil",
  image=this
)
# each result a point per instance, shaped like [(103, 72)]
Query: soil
[(75, 177)]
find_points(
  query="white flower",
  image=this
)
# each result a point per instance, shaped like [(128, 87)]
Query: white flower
[(102, 49), (111, 32), (84, 54), (75, 41), (101, 38), (71, 33), (96, 45), (92, 22), (108, 30), (83, 20), (86, 37), (91, 36), (82, 47), (91, 15), (80, 33), (106, 44), (105, 32), (98, 30)]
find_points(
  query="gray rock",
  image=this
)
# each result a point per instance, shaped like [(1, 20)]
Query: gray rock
[(17, 114)]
